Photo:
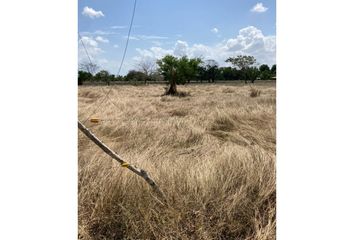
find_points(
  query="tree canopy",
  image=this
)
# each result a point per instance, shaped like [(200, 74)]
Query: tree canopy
[(178, 70), (181, 70), (242, 61)]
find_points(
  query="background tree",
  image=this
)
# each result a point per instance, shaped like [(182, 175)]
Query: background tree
[(202, 73), (244, 63), (264, 68), (156, 76), (103, 76), (229, 73), (178, 71), (146, 66), (211, 68), (136, 76), (265, 73), (251, 73), (273, 70), (111, 78), (119, 78), (168, 68), (187, 69), (89, 67), (83, 77)]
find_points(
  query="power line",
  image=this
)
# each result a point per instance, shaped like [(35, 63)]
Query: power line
[(120, 67), (127, 42), (82, 42)]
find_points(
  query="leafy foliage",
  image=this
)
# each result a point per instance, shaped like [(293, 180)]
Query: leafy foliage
[(229, 73), (241, 61), (245, 63), (274, 70), (83, 77), (136, 76), (211, 70), (181, 70), (265, 73), (168, 67), (178, 70)]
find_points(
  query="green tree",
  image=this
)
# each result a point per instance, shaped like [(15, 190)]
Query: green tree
[(187, 69), (168, 68), (136, 76), (229, 73), (251, 74), (102, 76), (83, 77), (273, 70), (265, 73), (211, 68), (178, 71), (264, 68), (119, 78), (244, 63)]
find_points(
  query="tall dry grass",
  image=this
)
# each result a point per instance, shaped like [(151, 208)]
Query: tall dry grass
[(212, 154)]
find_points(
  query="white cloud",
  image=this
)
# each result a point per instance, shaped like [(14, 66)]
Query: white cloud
[(151, 37), (200, 50), (146, 37), (152, 54), (119, 27), (246, 39), (102, 61), (92, 49), (157, 43), (101, 39), (181, 48), (89, 42), (259, 8), (132, 38), (214, 30), (249, 41), (92, 13), (99, 32)]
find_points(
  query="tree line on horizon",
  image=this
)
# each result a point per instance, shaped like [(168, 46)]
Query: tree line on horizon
[(182, 70)]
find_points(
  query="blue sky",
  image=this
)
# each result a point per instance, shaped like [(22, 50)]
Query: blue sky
[(212, 29)]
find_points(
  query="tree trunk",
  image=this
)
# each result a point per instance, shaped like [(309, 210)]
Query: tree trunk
[(173, 85), (173, 88)]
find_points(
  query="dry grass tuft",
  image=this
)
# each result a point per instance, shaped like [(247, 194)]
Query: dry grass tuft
[(212, 155), (254, 92), (228, 90), (178, 112)]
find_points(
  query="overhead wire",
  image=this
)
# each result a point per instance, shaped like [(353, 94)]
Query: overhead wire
[(121, 64), (88, 55)]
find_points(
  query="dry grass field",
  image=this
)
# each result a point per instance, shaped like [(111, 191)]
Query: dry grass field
[(212, 153)]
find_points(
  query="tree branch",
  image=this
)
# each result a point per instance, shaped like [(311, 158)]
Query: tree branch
[(140, 172)]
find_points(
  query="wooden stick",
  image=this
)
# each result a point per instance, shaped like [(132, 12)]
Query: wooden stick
[(140, 172)]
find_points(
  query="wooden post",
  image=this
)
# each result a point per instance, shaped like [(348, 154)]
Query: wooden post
[(140, 172)]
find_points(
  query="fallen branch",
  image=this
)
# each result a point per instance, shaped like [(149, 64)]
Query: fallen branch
[(142, 173)]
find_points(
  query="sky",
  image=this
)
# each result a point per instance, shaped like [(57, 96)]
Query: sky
[(211, 29)]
